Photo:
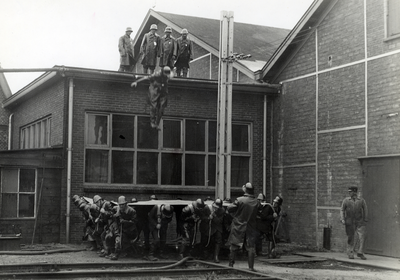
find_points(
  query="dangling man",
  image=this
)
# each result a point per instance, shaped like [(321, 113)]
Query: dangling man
[(127, 227), (159, 218), (158, 94), (183, 54)]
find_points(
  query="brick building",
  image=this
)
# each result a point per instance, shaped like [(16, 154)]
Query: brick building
[(335, 123)]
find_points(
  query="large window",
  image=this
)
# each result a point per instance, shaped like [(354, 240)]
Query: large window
[(124, 149), (393, 18), (18, 189), (36, 135)]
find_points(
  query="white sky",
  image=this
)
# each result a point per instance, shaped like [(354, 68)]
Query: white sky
[(85, 33)]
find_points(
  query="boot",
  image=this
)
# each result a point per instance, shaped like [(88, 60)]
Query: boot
[(216, 253), (251, 256), (232, 256)]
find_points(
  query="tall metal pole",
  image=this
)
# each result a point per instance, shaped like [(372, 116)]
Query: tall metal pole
[(224, 114)]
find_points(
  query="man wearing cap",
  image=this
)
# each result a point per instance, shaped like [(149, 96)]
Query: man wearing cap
[(354, 215), (190, 221), (159, 218), (150, 49), (168, 46), (158, 94), (127, 60), (183, 54), (213, 233), (126, 216), (244, 211)]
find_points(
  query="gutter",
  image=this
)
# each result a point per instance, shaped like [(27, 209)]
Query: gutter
[(10, 130), (69, 158)]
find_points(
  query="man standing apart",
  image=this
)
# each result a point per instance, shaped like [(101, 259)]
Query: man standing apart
[(127, 61), (168, 47), (354, 215), (184, 54), (151, 49), (244, 211)]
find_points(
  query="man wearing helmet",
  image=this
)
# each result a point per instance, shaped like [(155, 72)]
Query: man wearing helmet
[(158, 94), (150, 49), (127, 61), (168, 46), (213, 234), (190, 219), (184, 54), (127, 227), (159, 218)]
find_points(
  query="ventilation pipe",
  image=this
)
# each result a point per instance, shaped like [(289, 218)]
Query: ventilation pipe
[(69, 157)]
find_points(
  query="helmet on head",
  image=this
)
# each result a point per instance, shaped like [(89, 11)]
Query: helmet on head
[(217, 203), (94, 207), (184, 31), (278, 199), (168, 29), (75, 197), (166, 70), (96, 198), (153, 27), (133, 200), (82, 205), (153, 197), (129, 29), (199, 203), (261, 196), (167, 210), (81, 202), (122, 200)]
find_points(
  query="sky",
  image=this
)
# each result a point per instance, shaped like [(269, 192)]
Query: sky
[(85, 33)]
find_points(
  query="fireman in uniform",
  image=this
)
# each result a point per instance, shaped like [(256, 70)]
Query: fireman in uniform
[(215, 226)]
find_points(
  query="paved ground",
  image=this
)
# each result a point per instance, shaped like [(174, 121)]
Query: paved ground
[(336, 266)]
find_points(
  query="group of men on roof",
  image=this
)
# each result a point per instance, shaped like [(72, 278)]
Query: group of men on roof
[(114, 228), (171, 52)]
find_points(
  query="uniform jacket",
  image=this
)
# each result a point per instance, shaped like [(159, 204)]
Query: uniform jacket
[(244, 211), (125, 49), (154, 215), (216, 222), (191, 212), (184, 52), (150, 48), (168, 47), (129, 215), (265, 217), (354, 212)]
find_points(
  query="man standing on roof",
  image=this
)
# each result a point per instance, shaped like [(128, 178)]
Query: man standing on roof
[(158, 94), (127, 60), (184, 54), (150, 49), (159, 218), (168, 47), (244, 211)]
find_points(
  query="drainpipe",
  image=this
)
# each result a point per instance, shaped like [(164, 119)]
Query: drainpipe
[(10, 130), (264, 191), (69, 156)]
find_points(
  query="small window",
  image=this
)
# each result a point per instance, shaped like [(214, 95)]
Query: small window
[(195, 135), (393, 18), (18, 192), (36, 135)]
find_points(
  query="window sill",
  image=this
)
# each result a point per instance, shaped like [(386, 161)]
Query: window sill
[(390, 38)]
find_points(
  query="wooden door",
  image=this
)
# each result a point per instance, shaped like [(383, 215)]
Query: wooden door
[(381, 191)]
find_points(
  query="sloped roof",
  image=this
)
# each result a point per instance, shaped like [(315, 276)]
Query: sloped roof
[(257, 40)]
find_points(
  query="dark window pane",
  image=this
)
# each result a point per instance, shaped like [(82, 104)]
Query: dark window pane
[(240, 171), (122, 131), (147, 166), (212, 136), (195, 135), (171, 169), (194, 170), (212, 169), (97, 130), (9, 180), (172, 134), (96, 166), (26, 205), (27, 180), (147, 136), (9, 205), (122, 167), (240, 138)]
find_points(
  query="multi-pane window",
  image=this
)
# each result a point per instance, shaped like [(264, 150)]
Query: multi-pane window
[(393, 17), (36, 135), (124, 149), (18, 190)]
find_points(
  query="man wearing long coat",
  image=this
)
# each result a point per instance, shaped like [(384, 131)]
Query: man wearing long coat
[(184, 54), (150, 49), (244, 211), (127, 60), (168, 47)]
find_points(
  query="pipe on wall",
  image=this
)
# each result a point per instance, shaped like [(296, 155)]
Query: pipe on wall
[(69, 157), (10, 131), (264, 190)]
